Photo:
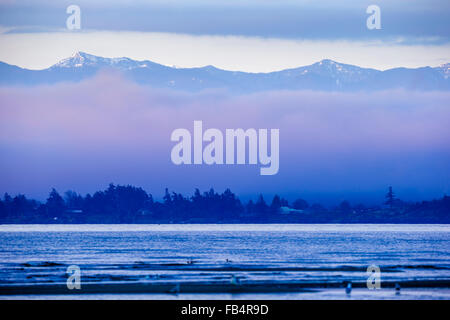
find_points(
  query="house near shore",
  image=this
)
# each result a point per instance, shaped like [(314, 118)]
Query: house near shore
[(287, 210)]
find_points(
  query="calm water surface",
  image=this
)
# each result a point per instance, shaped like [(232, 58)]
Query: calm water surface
[(316, 254)]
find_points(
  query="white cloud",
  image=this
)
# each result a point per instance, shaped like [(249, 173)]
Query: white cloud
[(253, 54)]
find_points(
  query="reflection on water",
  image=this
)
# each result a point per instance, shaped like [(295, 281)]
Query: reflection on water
[(312, 256)]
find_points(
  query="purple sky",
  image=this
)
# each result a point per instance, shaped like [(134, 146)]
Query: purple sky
[(332, 145)]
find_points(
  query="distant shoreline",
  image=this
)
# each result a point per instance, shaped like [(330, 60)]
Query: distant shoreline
[(229, 223), (235, 227), (126, 204)]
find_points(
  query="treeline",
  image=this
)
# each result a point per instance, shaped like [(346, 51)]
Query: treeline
[(129, 204)]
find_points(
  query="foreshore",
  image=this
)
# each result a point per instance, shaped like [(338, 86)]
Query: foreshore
[(198, 287)]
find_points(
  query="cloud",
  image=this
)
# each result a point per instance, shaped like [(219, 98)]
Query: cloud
[(332, 145), (312, 20), (251, 54)]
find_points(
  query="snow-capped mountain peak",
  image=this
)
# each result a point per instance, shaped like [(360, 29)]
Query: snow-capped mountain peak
[(444, 69), (83, 59), (328, 66), (339, 72), (78, 59)]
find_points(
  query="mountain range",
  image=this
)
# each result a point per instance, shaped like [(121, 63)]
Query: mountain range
[(325, 75)]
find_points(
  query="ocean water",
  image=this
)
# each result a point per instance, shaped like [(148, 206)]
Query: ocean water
[(319, 259)]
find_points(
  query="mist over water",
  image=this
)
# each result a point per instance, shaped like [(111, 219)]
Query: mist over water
[(333, 146)]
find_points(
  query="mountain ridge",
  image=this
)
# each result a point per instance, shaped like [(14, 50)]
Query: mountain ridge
[(324, 75)]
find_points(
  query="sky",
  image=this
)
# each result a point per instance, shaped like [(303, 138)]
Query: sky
[(252, 36)]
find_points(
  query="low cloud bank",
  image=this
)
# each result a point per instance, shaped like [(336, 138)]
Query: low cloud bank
[(332, 145)]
